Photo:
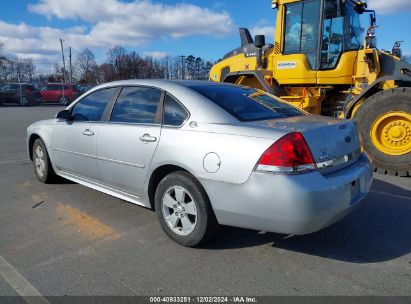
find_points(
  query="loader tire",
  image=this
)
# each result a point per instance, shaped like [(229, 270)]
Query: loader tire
[(384, 122)]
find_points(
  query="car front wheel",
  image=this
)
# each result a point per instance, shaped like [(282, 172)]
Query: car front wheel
[(184, 210), (64, 101), (42, 165), (24, 102)]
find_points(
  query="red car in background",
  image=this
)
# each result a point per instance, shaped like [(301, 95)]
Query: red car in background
[(64, 94)]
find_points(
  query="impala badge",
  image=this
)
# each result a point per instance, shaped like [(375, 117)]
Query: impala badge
[(325, 155)]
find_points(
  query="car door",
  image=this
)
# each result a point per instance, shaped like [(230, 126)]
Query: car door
[(74, 141), (127, 142), (14, 93), (54, 92), (46, 92), (4, 93)]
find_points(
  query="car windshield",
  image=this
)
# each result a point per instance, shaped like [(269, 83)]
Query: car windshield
[(247, 104)]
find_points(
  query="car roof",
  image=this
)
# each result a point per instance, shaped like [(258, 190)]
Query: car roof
[(165, 83), (200, 107), (59, 83), (19, 83)]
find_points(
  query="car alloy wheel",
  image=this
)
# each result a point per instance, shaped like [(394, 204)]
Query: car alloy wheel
[(64, 101), (24, 101), (40, 161), (179, 210)]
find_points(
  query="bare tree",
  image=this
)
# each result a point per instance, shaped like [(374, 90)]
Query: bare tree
[(119, 64), (2, 58), (190, 67), (26, 69), (87, 67), (116, 57)]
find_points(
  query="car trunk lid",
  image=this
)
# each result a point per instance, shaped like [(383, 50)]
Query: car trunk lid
[(334, 143)]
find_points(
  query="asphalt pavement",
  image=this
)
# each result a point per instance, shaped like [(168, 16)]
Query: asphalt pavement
[(66, 239)]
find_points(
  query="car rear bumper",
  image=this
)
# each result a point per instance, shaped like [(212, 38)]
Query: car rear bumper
[(291, 204)]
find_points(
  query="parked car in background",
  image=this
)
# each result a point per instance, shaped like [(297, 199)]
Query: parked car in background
[(84, 88), (64, 94), (24, 94), (203, 154)]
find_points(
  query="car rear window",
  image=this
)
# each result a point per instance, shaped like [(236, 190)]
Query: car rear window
[(53, 87), (174, 112), (246, 104)]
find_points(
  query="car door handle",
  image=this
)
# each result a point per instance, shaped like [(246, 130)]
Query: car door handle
[(88, 132), (148, 138)]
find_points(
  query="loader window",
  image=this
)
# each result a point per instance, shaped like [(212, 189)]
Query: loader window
[(301, 30), (341, 33)]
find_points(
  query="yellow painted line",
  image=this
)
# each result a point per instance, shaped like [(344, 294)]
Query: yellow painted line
[(22, 287)]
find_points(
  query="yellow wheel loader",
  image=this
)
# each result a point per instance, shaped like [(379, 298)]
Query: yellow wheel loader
[(321, 63)]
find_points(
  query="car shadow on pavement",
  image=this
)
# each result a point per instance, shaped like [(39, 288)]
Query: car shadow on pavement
[(378, 230)]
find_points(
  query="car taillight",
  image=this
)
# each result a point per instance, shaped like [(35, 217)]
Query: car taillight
[(289, 154)]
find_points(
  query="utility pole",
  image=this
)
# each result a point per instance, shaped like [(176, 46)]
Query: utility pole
[(64, 61), (71, 67), (182, 65)]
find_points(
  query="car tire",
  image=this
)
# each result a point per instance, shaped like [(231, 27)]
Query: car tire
[(24, 101), (42, 164), (64, 101), (180, 200)]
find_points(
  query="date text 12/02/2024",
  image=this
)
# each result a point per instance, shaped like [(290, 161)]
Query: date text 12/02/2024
[(203, 299)]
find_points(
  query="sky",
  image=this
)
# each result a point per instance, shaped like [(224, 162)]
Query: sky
[(209, 29)]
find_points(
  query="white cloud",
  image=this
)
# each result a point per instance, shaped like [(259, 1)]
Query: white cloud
[(138, 21), (23, 40), (268, 31), (386, 7), (108, 23), (264, 27), (156, 54)]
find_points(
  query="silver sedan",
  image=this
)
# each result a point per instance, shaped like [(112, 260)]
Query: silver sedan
[(203, 154)]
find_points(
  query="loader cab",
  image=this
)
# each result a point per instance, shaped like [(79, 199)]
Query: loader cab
[(322, 30)]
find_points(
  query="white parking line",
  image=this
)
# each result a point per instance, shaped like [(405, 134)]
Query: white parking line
[(20, 284), (392, 195), (13, 161)]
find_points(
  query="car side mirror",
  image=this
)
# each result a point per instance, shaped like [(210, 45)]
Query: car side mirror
[(65, 115)]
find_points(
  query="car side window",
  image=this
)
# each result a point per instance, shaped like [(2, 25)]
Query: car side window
[(14, 87), (92, 107), (136, 105), (174, 112)]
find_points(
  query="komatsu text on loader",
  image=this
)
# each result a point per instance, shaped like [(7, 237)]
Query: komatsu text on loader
[(321, 63)]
